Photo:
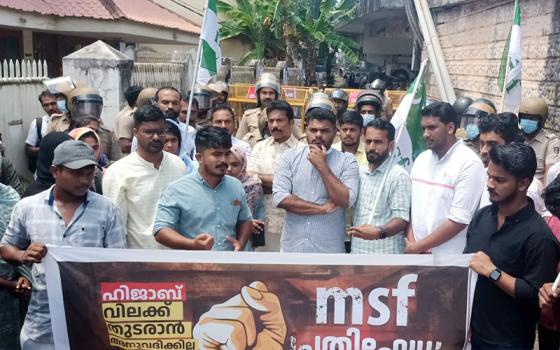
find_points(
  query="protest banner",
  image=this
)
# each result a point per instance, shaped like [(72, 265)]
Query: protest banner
[(144, 299)]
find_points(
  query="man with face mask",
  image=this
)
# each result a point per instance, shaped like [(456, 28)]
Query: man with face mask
[(532, 114), (470, 119), (369, 105), (253, 123)]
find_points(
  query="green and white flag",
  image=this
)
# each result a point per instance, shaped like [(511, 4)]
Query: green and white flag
[(509, 78), (409, 140), (211, 54)]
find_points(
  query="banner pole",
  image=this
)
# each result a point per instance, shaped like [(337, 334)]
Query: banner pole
[(504, 88), (197, 65)]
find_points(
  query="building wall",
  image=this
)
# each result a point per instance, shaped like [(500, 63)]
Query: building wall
[(472, 36)]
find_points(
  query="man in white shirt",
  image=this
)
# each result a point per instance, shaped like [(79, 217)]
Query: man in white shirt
[(135, 182), (222, 116), (446, 183)]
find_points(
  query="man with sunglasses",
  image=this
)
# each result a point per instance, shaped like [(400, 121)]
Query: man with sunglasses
[(136, 182)]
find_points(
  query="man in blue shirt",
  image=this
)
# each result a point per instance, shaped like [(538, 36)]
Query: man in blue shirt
[(206, 209)]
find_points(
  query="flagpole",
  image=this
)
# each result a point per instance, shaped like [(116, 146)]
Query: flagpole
[(197, 65), (392, 157), (504, 88)]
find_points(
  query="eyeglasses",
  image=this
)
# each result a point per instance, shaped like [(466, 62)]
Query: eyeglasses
[(152, 132)]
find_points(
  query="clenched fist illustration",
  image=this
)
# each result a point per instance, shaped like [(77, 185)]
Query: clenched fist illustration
[(251, 319)]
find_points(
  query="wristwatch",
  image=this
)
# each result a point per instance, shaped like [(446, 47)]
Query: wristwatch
[(495, 275), (382, 233)]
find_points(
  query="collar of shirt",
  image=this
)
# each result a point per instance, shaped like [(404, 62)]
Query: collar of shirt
[(150, 165), (449, 152), (521, 215), (540, 137), (291, 142), (201, 180), (49, 197)]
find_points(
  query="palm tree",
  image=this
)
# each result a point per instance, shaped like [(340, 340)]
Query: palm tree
[(253, 21)]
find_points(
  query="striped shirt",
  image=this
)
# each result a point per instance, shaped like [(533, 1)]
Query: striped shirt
[(295, 175), (394, 203), (36, 219)]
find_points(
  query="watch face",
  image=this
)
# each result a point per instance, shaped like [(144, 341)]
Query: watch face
[(495, 275)]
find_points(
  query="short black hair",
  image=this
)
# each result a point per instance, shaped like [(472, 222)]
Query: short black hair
[(321, 114), (212, 137), (222, 107), (131, 94), (351, 117), (166, 88), (518, 159), (551, 196), (45, 93), (503, 124), (384, 125), (173, 128), (147, 113), (282, 106), (442, 110)]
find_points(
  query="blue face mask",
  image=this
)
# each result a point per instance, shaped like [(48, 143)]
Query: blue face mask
[(528, 126), (61, 106), (368, 118), (472, 132)]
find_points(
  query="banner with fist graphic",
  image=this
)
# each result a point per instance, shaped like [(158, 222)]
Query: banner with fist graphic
[(164, 299)]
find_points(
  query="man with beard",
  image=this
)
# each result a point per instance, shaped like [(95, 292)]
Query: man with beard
[(264, 162), (502, 129), (351, 126), (380, 230), (206, 209), (315, 184), (446, 182), (67, 214), (136, 182), (253, 123), (515, 253)]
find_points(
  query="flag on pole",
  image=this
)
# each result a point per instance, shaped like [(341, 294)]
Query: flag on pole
[(409, 140), (509, 78), (211, 54)]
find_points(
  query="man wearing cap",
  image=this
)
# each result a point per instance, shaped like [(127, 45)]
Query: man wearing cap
[(220, 93), (66, 214), (252, 126)]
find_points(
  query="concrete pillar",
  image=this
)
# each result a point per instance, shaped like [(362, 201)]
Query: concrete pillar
[(102, 67)]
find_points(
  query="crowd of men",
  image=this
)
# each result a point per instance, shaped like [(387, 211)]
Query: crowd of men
[(487, 184)]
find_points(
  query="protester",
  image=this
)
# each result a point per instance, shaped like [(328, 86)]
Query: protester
[(264, 161), (252, 126), (15, 289), (351, 126), (39, 126), (206, 209), (44, 178), (533, 113), (237, 167), (382, 210), (184, 112), (9, 176), (91, 138), (67, 214), (315, 184), (370, 105), (136, 182), (173, 142), (125, 120), (446, 186), (549, 325), (502, 129), (515, 253), (222, 116)]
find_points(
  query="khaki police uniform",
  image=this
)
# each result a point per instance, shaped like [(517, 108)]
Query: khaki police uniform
[(547, 149), (253, 124)]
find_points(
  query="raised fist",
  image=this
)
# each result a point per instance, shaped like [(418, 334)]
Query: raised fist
[(233, 324)]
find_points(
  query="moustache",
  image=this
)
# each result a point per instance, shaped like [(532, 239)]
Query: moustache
[(275, 130), (221, 166)]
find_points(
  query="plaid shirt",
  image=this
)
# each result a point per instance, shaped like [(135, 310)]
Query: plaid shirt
[(394, 203), (36, 219)]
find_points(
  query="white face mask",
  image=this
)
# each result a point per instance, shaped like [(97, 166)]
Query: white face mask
[(368, 118)]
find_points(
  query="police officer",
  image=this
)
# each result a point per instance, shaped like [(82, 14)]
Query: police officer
[(370, 105), (253, 124), (469, 122), (220, 92), (379, 86), (461, 104), (203, 98), (340, 99), (533, 112)]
